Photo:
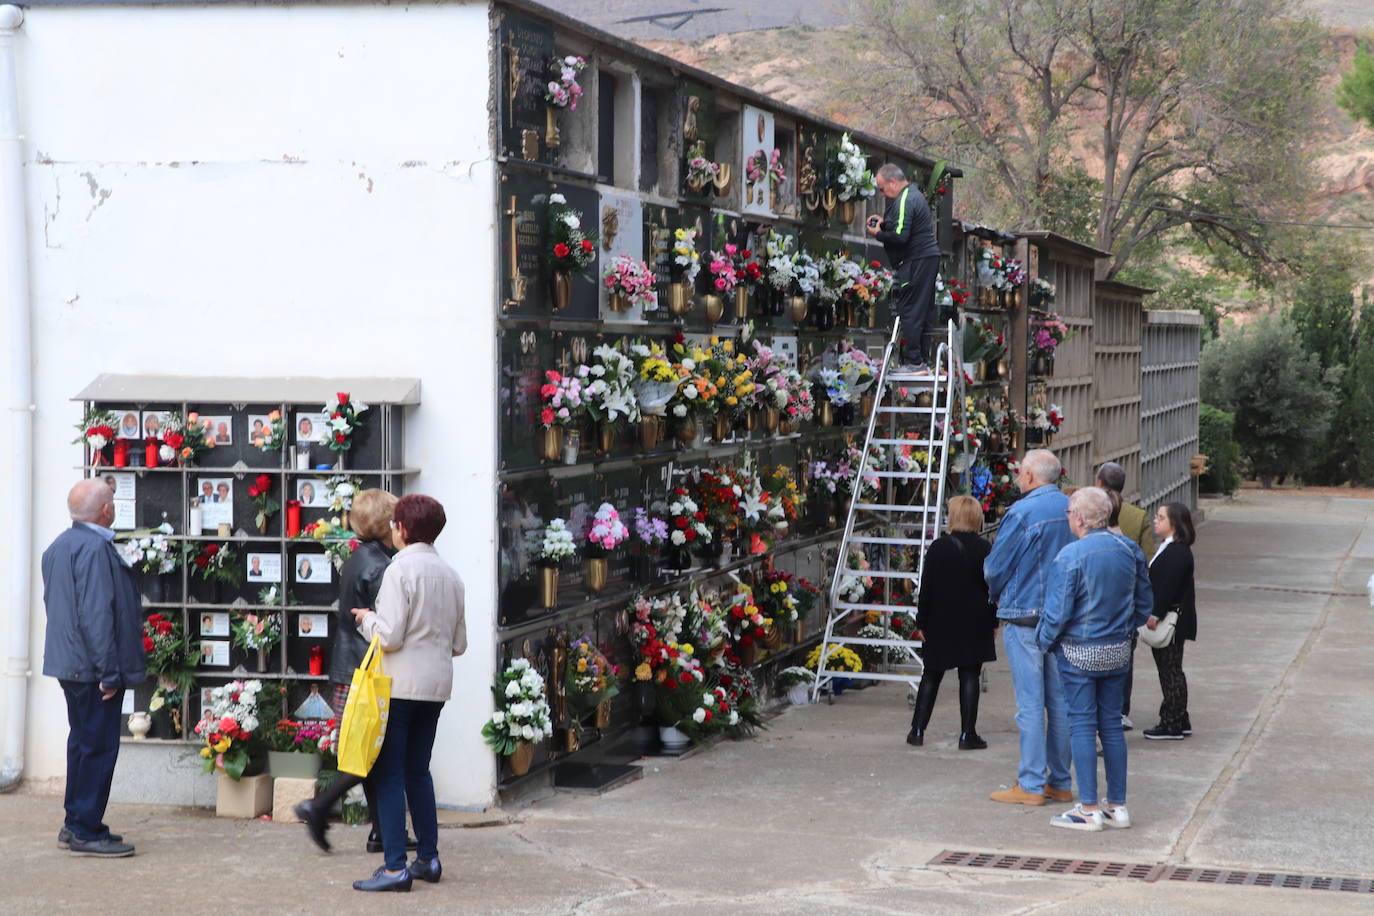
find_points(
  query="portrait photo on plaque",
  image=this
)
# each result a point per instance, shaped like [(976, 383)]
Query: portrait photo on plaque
[(214, 623), (264, 567), (214, 654), (219, 429), (216, 496), (313, 569), (259, 426), (313, 493), (123, 486), (153, 421), (315, 626), (126, 423), (311, 427)]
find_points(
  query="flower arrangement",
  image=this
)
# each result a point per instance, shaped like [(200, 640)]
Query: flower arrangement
[(170, 655), (747, 269), (655, 379), (686, 258), (718, 493), (650, 530), (853, 176), (808, 273), (339, 542), (1042, 293), (1001, 488), (1047, 420), (910, 459), (977, 338), (1013, 274), (605, 532), (790, 677), (573, 247), (837, 658), (229, 727), (522, 712), (775, 598), (97, 429), (873, 284), (345, 416), (854, 586), (1049, 333), (735, 381), (589, 679), (256, 632), (700, 170), (555, 545), (686, 521), (184, 438), (274, 436), (697, 371), (214, 562), (150, 551), (339, 490), (837, 276), (563, 90), (779, 386), (988, 264), (780, 264), (265, 505), (271, 596), (781, 484), (609, 393), (632, 278), (562, 397), (308, 737), (843, 372), (763, 164), (950, 293), (722, 267)]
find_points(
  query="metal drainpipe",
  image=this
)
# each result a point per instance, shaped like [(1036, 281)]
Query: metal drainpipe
[(15, 293)]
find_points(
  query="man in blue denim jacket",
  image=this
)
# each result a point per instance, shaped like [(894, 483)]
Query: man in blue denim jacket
[(1034, 530), (1099, 593)]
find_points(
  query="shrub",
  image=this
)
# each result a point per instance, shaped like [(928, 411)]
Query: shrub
[(1215, 428)]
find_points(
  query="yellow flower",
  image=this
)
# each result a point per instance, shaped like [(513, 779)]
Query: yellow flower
[(714, 340), (205, 752), (730, 348), (581, 664), (642, 673), (223, 745), (680, 234), (687, 648), (768, 621), (732, 400)]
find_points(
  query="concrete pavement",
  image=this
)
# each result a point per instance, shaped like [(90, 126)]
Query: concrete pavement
[(829, 811)]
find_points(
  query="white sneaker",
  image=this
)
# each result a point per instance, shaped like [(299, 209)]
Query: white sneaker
[(1115, 816), (1126, 723), (1078, 819)]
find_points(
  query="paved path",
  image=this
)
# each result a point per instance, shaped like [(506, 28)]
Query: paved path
[(828, 811)]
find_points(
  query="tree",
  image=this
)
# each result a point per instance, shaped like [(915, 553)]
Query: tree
[(1214, 431), (1281, 398), (1183, 114), (1355, 91)]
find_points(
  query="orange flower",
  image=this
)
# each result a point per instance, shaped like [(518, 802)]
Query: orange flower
[(186, 452), (274, 416)]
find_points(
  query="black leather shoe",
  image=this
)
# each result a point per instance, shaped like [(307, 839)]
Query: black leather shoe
[(64, 838), (374, 843), (916, 738), (971, 741), (104, 848), (316, 823), (381, 881), (426, 871)]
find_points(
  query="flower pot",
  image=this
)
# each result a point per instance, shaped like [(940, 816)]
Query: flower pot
[(798, 695), (548, 587), (981, 374), (248, 797), (788, 427), (825, 413), (715, 307), (999, 368), (673, 738), (721, 427), (606, 437), (741, 303), (594, 571), (844, 313), (262, 660), (521, 758), (562, 290), (686, 432), (618, 302), (679, 299), (751, 420), (571, 446), (797, 307), (650, 431), (825, 317), (844, 414), (777, 304), (139, 724), (771, 416), (551, 443), (293, 765), (747, 654), (847, 211), (772, 637), (603, 714)]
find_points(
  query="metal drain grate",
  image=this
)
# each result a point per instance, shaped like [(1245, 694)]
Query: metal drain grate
[(1303, 591), (1093, 868)]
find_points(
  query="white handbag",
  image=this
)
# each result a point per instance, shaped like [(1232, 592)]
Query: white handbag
[(1163, 633)]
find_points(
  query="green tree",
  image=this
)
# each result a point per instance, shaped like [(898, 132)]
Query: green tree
[(1355, 91), (1215, 428), (1173, 110), (1281, 398)]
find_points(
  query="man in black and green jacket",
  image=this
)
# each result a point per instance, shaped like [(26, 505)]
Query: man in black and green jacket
[(907, 231)]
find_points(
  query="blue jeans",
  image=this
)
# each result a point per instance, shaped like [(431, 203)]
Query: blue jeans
[(1094, 701), (1038, 693), (92, 749), (401, 779)]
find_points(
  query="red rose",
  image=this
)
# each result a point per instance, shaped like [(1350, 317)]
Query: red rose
[(726, 680), (690, 535), (561, 251), (164, 628), (155, 618), (339, 438), (708, 717), (253, 491), (681, 522), (679, 338), (586, 245), (147, 644), (174, 439), (211, 549), (746, 254), (942, 190), (546, 416), (669, 683), (264, 482)]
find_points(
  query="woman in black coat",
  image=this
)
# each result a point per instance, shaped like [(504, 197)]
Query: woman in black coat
[(956, 621), (1171, 579), (359, 580)]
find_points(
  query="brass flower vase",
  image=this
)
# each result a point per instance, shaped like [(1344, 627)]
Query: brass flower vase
[(572, 739), (925, 399), (721, 427), (825, 413), (551, 443), (548, 587), (797, 307), (603, 714), (771, 416), (521, 758), (866, 405), (715, 307), (741, 303), (847, 211), (606, 437), (618, 302), (772, 637), (788, 427), (562, 290), (551, 137), (686, 432), (650, 431), (594, 571), (679, 299)]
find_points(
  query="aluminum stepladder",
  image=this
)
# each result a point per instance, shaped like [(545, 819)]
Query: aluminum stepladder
[(905, 404)]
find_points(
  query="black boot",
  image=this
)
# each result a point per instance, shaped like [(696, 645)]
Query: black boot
[(925, 703), (969, 688)]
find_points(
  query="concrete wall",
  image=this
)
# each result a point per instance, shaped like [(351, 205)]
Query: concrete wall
[(272, 191)]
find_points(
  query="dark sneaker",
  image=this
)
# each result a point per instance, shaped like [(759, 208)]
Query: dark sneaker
[(103, 848), (381, 881), (971, 741), (1187, 726), (64, 838), (1160, 733), (429, 871), (1126, 723), (915, 737)]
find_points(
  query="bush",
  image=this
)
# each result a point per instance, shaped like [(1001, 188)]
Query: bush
[(1215, 428)]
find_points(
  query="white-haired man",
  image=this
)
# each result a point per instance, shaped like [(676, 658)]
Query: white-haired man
[(1034, 530), (1099, 593)]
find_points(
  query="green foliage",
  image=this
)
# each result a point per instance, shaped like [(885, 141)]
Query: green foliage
[(1215, 428), (1355, 91), (1280, 396)]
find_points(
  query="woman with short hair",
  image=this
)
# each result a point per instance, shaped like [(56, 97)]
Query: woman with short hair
[(1171, 578), (419, 620), (956, 621)]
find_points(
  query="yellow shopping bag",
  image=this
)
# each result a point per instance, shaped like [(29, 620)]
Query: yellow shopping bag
[(365, 714)]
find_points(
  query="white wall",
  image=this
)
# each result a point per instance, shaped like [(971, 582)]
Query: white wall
[(205, 183)]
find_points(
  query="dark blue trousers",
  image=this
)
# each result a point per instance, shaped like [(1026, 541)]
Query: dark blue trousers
[(92, 748), (401, 779)]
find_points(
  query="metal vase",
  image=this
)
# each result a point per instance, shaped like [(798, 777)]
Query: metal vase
[(618, 302), (771, 416), (721, 427), (788, 427), (603, 714), (679, 299), (686, 432), (562, 290), (548, 587), (521, 758), (866, 405), (741, 303), (797, 307), (594, 571), (714, 306), (650, 431), (551, 443), (825, 413), (606, 437), (847, 211)]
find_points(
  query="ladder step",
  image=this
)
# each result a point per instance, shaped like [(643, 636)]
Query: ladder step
[(872, 641), (871, 676), (926, 443), (905, 542), (880, 573), (884, 409), (889, 507), (909, 377), (908, 475), (880, 608)]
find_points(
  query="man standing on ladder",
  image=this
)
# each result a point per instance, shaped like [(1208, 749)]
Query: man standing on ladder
[(1035, 529), (907, 231)]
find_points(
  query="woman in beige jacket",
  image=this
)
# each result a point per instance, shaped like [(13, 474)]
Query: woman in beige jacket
[(419, 620)]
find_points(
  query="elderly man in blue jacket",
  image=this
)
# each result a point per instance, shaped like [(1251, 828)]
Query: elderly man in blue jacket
[(1099, 593), (1033, 532), (94, 647)]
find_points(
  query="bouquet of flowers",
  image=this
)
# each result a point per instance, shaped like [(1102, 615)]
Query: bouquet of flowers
[(1049, 333), (308, 737), (853, 176), (837, 658), (256, 632), (170, 654), (555, 544), (654, 619), (989, 264), (780, 266), (214, 562), (97, 429), (808, 273), (775, 598), (763, 164), (574, 248), (950, 293), (345, 416), (609, 395), (837, 276), (1047, 420), (1002, 483), (790, 677), (780, 386), (339, 542), (150, 551), (522, 712), (183, 438), (843, 372), (700, 170), (563, 90), (722, 266), (747, 270), (1042, 293), (265, 505), (735, 383), (745, 620), (1013, 274), (632, 278), (339, 490), (589, 678), (229, 727), (651, 531), (605, 532), (274, 435), (854, 585), (718, 492), (781, 485), (698, 370), (686, 521), (655, 380), (686, 258), (910, 459), (562, 396)]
